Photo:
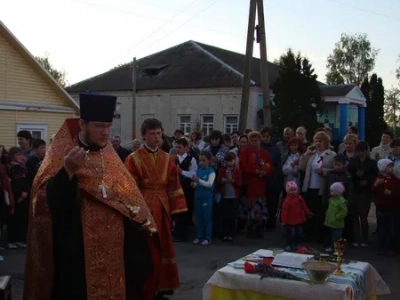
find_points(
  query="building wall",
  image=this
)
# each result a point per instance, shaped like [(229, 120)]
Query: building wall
[(27, 99), (21, 82), (47, 123), (170, 106)]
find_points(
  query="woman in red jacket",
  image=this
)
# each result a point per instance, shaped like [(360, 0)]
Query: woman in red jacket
[(229, 184), (255, 164)]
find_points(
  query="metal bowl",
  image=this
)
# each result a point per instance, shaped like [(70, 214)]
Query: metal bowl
[(318, 271)]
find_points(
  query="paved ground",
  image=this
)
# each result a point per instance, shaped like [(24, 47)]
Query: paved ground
[(197, 264)]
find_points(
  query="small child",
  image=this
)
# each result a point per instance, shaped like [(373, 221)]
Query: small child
[(336, 213), (340, 174), (294, 214), (203, 183), (187, 167), (17, 225), (229, 184), (386, 192)]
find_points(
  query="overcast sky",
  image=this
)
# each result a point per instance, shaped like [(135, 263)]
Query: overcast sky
[(88, 37)]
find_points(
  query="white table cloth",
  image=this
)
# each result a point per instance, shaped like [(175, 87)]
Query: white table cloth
[(361, 282)]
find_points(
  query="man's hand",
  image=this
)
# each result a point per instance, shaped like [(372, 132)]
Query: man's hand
[(74, 160), (195, 179), (387, 192), (24, 195), (379, 181)]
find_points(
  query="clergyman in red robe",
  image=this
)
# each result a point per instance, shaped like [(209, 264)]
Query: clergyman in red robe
[(157, 177)]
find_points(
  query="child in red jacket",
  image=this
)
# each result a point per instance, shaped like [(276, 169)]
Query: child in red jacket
[(294, 214), (229, 184), (386, 192)]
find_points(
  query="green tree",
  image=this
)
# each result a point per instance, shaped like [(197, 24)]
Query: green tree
[(392, 108), (59, 76), (297, 96), (351, 60), (374, 92), (119, 66)]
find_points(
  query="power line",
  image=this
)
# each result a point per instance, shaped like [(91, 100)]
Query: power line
[(365, 10), (162, 25), (173, 9), (155, 18), (180, 26), (108, 8)]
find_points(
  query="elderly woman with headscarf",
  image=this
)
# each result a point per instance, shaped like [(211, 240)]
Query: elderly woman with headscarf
[(316, 162)]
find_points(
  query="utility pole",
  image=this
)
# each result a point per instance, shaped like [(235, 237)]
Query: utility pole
[(134, 70), (244, 102), (263, 64)]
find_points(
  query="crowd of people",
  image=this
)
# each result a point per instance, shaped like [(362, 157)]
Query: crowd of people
[(86, 194), (18, 169), (319, 191)]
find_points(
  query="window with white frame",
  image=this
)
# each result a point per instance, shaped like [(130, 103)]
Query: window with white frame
[(185, 124), (38, 131), (231, 124), (207, 125)]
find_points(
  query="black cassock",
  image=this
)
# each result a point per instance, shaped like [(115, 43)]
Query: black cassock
[(64, 201)]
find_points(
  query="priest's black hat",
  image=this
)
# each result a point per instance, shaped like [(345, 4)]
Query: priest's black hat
[(96, 107)]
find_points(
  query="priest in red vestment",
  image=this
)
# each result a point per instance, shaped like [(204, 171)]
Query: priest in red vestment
[(158, 179), (91, 234)]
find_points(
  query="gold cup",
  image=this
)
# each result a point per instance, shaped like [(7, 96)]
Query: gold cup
[(339, 249)]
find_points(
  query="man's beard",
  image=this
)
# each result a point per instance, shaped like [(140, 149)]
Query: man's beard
[(88, 140)]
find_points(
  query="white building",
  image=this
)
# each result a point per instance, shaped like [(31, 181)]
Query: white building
[(191, 86)]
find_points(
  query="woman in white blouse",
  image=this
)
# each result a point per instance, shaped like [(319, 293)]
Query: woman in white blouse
[(290, 162), (316, 162)]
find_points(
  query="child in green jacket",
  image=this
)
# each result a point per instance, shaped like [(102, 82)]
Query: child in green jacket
[(336, 213)]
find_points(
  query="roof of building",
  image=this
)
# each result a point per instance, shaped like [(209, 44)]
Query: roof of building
[(187, 65), (24, 52), (336, 90)]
